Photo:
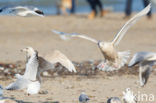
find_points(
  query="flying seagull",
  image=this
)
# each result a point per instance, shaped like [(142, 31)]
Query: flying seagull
[(114, 100), (28, 80), (83, 98), (128, 96), (108, 49), (145, 60), (50, 60), (23, 11)]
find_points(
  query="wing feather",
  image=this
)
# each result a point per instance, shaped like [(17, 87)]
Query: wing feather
[(31, 68), (141, 57), (68, 35), (58, 57), (128, 24), (20, 83)]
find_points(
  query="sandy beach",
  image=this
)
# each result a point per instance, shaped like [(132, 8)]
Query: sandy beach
[(18, 32)]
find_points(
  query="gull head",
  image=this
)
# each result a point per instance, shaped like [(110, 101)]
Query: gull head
[(29, 51), (105, 46)]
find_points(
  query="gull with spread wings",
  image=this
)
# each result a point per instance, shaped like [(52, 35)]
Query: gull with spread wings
[(49, 61), (111, 55), (28, 80)]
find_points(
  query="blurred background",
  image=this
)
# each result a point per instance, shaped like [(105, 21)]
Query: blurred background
[(82, 7)]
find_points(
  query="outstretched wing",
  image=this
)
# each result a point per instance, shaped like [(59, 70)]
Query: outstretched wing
[(31, 68), (58, 57), (141, 57), (132, 21), (32, 13), (20, 83), (19, 9), (68, 35)]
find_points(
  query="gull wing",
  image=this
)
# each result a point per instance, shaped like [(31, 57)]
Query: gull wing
[(128, 24), (140, 57), (32, 13), (31, 68), (62, 35), (58, 57), (20, 83), (19, 9)]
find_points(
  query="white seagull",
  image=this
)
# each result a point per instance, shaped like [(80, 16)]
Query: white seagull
[(145, 60), (28, 80), (50, 61), (108, 49), (24, 11)]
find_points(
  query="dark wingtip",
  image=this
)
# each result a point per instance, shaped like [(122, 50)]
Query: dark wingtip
[(39, 12)]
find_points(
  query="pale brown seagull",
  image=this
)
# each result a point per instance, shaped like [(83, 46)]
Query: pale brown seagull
[(50, 60), (108, 49)]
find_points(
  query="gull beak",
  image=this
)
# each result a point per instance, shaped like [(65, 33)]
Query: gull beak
[(23, 50)]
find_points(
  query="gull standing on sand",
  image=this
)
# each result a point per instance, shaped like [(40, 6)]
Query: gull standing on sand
[(83, 98), (28, 80), (145, 60), (108, 49), (24, 11), (50, 61)]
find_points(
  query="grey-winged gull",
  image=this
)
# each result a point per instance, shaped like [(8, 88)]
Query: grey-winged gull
[(50, 60), (145, 60), (23, 11), (108, 49), (83, 98), (28, 80)]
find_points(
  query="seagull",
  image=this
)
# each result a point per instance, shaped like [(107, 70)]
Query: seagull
[(108, 49), (83, 98), (145, 60), (50, 61), (24, 11), (114, 100), (128, 96), (28, 80)]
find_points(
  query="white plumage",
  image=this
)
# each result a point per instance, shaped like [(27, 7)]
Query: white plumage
[(28, 80), (24, 11)]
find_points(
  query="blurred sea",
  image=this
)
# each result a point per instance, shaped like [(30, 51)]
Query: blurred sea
[(48, 6)]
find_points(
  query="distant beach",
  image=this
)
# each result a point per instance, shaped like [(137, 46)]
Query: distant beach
[(48, 6)]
